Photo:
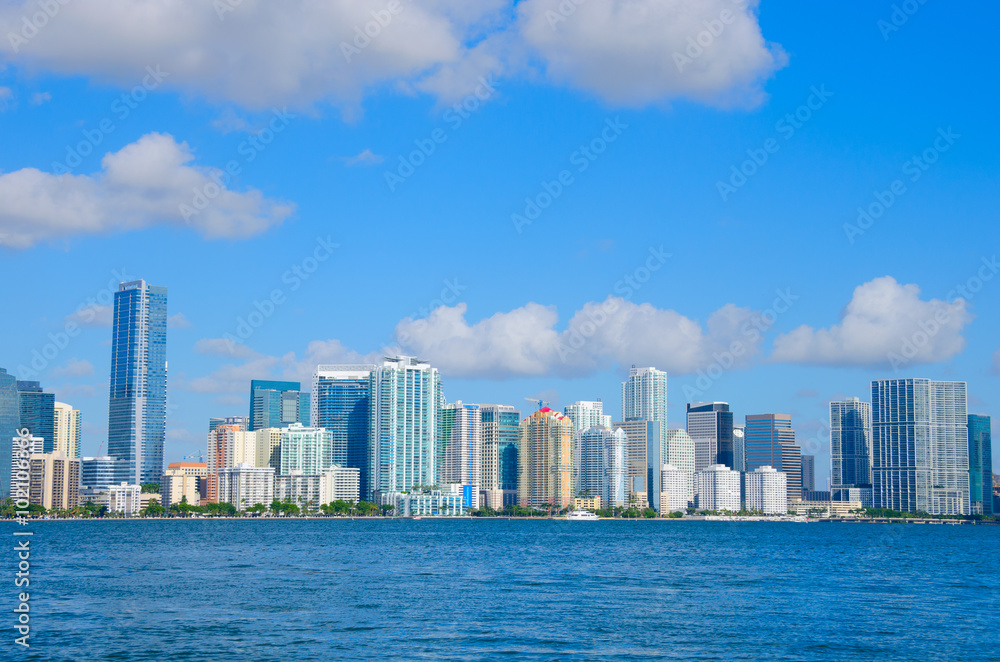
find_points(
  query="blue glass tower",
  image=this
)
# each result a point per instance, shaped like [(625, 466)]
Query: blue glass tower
[(277, 404), (38, 414), (980, 465), (10, 419), (137, 404), (341, 398)]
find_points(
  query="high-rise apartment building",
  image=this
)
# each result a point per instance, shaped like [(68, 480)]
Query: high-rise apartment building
[(54, 481), (603, 466), (920, 446), (544, 460), (245, 486), (137, 404), (677, 487), (770, 441), (980, 465), (586, 414), (643, 439), (459, 444), (498, 455), (37, 413), (766, 491), (717, 488), (644, 398), (406, 401), (309, 450), (680, 450), (710, 424), (276, 404), (180, 483), (10, 422), (342, 404), (850, 444), (67, 430)]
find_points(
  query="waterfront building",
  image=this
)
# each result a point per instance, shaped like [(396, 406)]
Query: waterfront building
[(54, 480), (825, 508), (66, 429), (459, 442), (591, 503), (182, 480), (770, 441), (850, 445), (137, 404), (406, 401), (862, 495), (275, 404), (340, 484), (121, 498), (342, 404), (677, 486), (808, 463), (425, 502), (37, 410), (766, 491), (300, 489), (644, 398), (245, 486), (544, 460), (920, 446), (642, 439), (498, 455), (97, 473), (717, 488), (309, 450), (10, 423), (603, 465), (980, 465), (710, 425)]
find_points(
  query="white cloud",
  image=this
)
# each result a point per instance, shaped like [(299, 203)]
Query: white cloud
[(75, 368), (526, 342), (91, 315), (143, 184), (178, 321), (38, 98), (301, 54), (365, 158), (885, 323)]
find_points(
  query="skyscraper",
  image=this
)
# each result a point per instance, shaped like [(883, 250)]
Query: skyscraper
[(10, 421), (242, 422), (603, 467), (920, 446), (808, 473), (767, 491), (680, 451), (67, 430), (406, 401), (38, 413), (498, 454), (770, 441), (850, 444), (309, 450), (277, 404), (739, 447), (643, 438), (459, 444), (980, 465), (544, 460), (342, 404), (586, 414), (644, 398), (137, 406), (712, 424)]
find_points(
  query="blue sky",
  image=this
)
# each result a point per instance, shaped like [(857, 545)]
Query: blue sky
[(509, 295)]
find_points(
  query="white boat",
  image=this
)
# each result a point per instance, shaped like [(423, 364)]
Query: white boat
[(582, 515)]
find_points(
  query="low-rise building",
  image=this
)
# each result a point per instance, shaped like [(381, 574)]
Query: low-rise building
[(180, 483), (424, 502), (591, 503), (824, 508)]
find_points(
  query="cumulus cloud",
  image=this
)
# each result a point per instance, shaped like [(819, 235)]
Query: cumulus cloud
[(258, 53), (178, 321), (143, 184), (75, 368), (885, 323), (527, 342), (365, 158)]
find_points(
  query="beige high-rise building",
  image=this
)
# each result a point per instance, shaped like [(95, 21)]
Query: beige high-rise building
[(544, 460), (54, 480), (181, 479), (66, 433), (268, 448)]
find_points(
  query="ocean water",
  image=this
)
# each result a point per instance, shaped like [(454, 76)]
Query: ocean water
[(498, 589)]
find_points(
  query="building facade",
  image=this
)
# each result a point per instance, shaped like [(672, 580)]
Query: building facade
[(808, 463), (305, 449), (244, 486), (275, 404), (498, 455), (644, 398), (545, 460), (342, 405), (770, 441), (603, 466), (459, 444), (710, 424), (137, 405), (67, 429), (766, 491), (739, 447), (980, 465), (10, 422), (340, 484), (54, 481), (920, 446), (643, 469), (677, 487), (850, 444), (717, 488), (37, 413)]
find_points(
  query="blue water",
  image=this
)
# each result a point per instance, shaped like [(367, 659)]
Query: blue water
[(488, 589)]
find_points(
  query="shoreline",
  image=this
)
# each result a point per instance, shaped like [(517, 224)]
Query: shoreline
[(709, 518)]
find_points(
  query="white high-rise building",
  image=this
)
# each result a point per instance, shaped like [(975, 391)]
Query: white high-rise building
[(680, 450), (920, 446), (460, 442), (677, 487), (245, 486), (644, 397), (67, 430), (300, 489), (305, 449), (340, 483), (717, 488), (603, 466), (586, 414), (767, 491)]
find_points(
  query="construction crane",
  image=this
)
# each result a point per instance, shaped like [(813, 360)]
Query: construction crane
[(541, 403), (201, 458)]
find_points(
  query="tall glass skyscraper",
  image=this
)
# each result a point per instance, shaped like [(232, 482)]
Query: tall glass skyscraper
[(406, 401), (712, 423), (137, 407), (499, 453), (850, 443), (644, 398), (38, 413), (459, 445), (277, 404), (10, 420), (770, 441), (920, 446), (341, 404), (980, 465)]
